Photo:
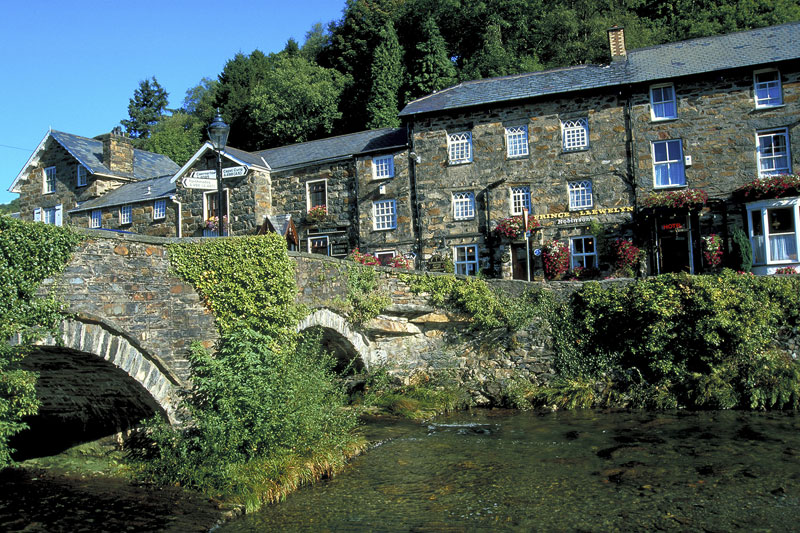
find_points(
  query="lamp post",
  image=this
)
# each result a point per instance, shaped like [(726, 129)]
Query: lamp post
[(218, 136)]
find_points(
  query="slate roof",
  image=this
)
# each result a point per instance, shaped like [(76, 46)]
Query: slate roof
[(89, 152), (333, 148), (131, 193), (280, 223), (696, 56)]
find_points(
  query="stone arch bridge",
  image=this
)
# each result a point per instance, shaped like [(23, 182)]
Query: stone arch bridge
[(122, 354)]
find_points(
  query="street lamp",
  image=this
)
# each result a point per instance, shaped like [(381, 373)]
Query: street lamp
[(218, 136)]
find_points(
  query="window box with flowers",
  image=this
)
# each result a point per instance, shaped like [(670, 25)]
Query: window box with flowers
[(778, 186), (682, 199), (317, 214), (212, 225), (514, 227)]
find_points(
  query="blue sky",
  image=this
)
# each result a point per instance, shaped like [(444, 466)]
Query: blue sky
[(73, 65)]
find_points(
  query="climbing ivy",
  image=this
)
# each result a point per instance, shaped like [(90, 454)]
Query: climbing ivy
[(29, 253), (245, 281), (365, 300)]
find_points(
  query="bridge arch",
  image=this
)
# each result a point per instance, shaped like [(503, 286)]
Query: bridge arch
[(339, 337), (88, 335)]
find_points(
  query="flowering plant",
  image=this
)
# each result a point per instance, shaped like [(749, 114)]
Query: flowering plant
[(317, 214), (626, 256), (771, 187), (712, 250), (399, 261), (555, 256), (212, 223), (786, 270), (513, 227), (364, 258), (682, 198)]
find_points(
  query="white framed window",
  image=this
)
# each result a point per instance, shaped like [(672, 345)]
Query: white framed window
[(49, 215), (767, 88), (662, 102), (159, 209), (385, 258), (384, 214), (316, 194), (516, 141), (463, 205), (583, 253), (80, 176), (49, 184), (575, 134), (319, 245), (668, 168), (465, 259), (772, 150), (520, 199), (774, 233), (580, 194), (459, 147), (125, 215), (97, 219), (383, 167), (210, 204)]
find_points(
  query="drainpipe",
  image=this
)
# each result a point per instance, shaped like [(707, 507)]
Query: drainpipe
[(357, 206), (412, 175), (180, 219)]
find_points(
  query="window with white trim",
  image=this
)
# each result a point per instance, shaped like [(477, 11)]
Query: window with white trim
[(384, 214), (767, 88), (459, 147), (668, 168), (80, 176), (772, 150), (583, 253), (520, 198), (383, 167), (319, 245), (210, 208), (580, 194), (463, 205), (575, 134), (774, 233), (662, 102), (516, 141), (465, 259), (125, 215), (96, 221), (316, 194), (159, 209), (385, 258), (49, 184)]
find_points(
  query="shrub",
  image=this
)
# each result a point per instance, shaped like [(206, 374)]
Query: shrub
[(363, 258), (742, 251)]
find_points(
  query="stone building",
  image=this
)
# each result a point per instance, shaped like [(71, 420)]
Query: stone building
[(99, 183), (656, 146)]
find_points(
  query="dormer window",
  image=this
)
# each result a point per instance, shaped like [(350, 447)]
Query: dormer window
[(49, 184), (125, 215), (80, 179), (767, 88)]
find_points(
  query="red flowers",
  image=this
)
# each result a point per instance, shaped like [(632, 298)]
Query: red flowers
[(626, 256), (712, 250), (514, 227), (675, 199), (555, 256), (777, 186)]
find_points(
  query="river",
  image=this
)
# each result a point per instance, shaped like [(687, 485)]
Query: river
[(498, 471)]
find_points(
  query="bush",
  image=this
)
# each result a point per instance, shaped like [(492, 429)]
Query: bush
[(741, 258)]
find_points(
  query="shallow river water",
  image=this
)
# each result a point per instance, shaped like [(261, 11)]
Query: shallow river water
[(567, 471)]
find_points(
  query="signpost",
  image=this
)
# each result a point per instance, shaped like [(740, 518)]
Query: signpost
[(527, 241), (230, 172)]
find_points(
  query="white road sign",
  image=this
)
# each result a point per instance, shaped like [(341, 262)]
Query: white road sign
[(200, 183), (230, 172)]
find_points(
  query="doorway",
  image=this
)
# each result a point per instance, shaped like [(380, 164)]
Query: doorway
[(518, 261)]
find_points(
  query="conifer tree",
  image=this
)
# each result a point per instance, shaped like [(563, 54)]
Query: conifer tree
[(430, 68), (386, 76), (145, 109)]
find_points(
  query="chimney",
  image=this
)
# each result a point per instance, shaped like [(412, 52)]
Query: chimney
[(616, 41), (117, 152)]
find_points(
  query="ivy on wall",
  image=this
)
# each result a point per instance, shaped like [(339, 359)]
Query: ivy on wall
[(29, 253)]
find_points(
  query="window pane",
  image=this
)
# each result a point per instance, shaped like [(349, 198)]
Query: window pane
[(660, 152), (781, 220)]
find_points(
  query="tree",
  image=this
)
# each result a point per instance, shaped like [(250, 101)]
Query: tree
[(145, 108), (316, 40), (199, 100), (177, 137), (430, 68), (11, 207), (296, 101), (386, 77)]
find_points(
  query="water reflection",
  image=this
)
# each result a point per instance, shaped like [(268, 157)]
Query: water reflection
[(585, 470)]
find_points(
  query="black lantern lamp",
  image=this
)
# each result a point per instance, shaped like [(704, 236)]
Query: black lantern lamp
[(218, 136)]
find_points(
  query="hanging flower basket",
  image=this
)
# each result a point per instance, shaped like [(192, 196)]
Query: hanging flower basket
[(712, 250), (555, 257), (779, 186), (514, 227), (685, 198)]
